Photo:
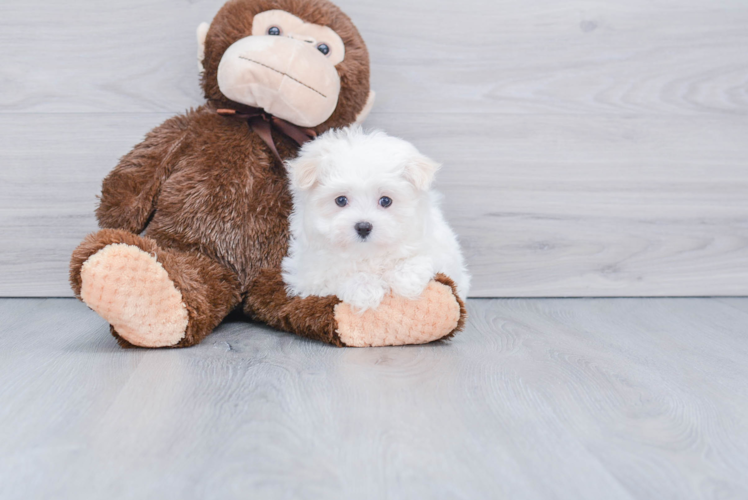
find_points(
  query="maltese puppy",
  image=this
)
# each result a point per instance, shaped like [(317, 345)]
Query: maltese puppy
[(365, 221)]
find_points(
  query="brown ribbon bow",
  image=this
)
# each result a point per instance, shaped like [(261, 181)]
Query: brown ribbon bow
[(262, 124)]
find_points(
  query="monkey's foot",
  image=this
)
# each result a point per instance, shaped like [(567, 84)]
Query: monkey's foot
[(437, 314), (131, 290)]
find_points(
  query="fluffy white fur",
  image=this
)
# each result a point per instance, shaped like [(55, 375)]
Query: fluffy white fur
[(409, 241)]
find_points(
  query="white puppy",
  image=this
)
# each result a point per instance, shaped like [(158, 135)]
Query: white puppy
[(365, 221)]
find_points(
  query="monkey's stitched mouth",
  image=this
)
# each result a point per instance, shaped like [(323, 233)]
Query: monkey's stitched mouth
[(284, 74)]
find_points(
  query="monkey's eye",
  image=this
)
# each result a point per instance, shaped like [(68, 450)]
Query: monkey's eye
[(322, 47), (274, 31), (385, 201), (341, 201)]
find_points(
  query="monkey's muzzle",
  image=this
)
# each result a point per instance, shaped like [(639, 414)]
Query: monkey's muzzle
[(286, 77)]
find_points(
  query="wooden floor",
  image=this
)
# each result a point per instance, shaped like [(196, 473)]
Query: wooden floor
[(538, 398)]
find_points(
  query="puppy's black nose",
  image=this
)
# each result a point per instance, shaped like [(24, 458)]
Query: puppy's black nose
[(363, 229)]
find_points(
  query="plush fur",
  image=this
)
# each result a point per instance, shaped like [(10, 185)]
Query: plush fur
[(234, 21), (365, 222), (202, 196)]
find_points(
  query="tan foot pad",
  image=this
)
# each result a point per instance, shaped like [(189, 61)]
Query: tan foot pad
[(399, 321), (132, 291)]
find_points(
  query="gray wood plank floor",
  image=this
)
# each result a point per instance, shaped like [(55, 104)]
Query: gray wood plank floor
[(591, 148), (574, 398)]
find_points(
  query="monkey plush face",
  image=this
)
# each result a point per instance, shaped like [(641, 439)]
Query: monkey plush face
[(286, 67), (300, 60)]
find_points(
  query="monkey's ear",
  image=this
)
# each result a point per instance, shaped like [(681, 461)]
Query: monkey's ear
[(304, 171), (202, 33), (420, 171), (367, 108)]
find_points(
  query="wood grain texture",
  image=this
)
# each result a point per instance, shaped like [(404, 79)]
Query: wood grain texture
[(619, 226), (538, 398), (508, 56), (594, 148)]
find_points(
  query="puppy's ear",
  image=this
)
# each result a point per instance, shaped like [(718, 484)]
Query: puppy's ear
[(420, 171), (303, 171)]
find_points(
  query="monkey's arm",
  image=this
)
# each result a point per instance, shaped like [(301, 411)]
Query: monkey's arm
[(129, 192), (437, 314), (312, 317)]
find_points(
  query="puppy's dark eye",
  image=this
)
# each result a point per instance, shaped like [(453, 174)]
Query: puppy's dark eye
[(385, 201), (341, 201), (322, 47), (274, 31)]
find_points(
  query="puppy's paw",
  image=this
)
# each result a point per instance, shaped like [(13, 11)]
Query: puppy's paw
[(363, 291), (410, 277)]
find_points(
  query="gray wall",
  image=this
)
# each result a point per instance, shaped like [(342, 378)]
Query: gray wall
[(591, 148)]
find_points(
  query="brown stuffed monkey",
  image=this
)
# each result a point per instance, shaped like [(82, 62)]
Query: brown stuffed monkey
[(195, 218)]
